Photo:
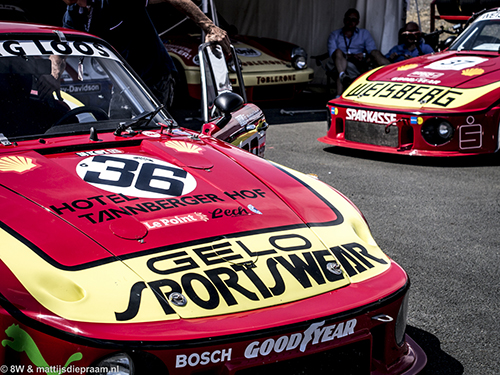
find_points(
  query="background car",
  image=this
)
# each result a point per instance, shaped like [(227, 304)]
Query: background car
[(133, 246), (442, 104), (272, 69)]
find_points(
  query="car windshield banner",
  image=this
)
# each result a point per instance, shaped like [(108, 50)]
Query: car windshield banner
[(22, 48)]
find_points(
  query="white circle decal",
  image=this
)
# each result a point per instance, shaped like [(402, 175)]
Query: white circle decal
[(456, 63), (136, 176)]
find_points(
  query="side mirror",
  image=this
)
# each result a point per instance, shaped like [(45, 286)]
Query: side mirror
[(447, 42), (227, 102)]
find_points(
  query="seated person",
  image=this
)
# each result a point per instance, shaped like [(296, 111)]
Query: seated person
[(412, 44), (352, 50)]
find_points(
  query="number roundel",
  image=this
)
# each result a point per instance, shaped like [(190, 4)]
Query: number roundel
[(136, 176)]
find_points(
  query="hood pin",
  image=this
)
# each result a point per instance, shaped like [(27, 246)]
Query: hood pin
[(334, 268), (177, 299)]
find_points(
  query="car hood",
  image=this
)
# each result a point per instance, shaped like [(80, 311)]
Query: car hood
[(445, 80), (158, 228)]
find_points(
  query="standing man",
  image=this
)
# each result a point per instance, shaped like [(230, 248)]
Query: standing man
[(413, 44), (126, 25), (351, 50)]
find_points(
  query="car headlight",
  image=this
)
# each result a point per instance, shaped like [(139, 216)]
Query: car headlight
[(401, 320), (437, 131), (117, 364), (299, 58)]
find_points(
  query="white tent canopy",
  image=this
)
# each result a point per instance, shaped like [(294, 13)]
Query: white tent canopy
[(308, 23)]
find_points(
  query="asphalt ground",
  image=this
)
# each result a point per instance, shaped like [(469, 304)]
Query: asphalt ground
[(439, 218)]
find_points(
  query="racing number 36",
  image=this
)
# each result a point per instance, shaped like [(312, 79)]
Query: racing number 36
[(136, 176)]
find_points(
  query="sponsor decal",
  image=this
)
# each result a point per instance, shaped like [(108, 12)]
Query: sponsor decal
[(405, 93), (470, 136), (414, 120), (236, 212), (136, 176), (173, 221), (276, 79), (94, 209), (370, 116), (472, 72), (263, 62), (247, 52), (205, 358), (334, 111), (44, 47), (182, 51), (184, 147), (82, 89), (246, 118), (18, 164), (456, 63), (20, 341), (427, 75), (315, 334), (227, 274), (99, 152), (151, 134), (489, 16), (407, 67), (416, 80)]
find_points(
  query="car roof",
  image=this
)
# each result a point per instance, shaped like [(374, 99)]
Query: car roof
[(8, 27)]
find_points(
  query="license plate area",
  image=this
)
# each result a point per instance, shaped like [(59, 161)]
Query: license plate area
[(351, 359), (373, 134)]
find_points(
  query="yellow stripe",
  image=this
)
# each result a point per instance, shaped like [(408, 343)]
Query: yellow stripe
[(412, 95)]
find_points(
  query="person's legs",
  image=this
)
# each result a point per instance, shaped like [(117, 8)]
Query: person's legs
[(341, 66)]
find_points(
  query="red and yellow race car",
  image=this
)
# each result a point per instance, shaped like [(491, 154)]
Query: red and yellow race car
[(272, 69), (442, 104), (131, 246)]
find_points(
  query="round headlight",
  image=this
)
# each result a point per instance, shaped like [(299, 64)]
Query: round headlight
[(299, 62), (401, 321), (116, 364), (299, 58), (437, 131)]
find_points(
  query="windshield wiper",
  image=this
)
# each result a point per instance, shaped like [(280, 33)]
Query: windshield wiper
[(140, 121)]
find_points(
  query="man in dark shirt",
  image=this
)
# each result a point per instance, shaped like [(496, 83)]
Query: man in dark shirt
[(126, 25)]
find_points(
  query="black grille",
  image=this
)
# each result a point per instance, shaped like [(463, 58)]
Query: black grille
[(373, 134), (353, 359)]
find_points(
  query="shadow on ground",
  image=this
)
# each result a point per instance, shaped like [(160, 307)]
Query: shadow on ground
[(445, 162), (438, 362), (310, 105)]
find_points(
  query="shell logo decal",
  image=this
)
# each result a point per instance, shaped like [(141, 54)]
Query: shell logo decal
[(472, 72), (19, 164), (183, 147), (407, 67)]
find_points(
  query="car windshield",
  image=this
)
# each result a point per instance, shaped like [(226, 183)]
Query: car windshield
[(94, 89), (483, 35)]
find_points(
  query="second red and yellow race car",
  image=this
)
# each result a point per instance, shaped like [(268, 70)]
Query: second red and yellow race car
[(442, 104)]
